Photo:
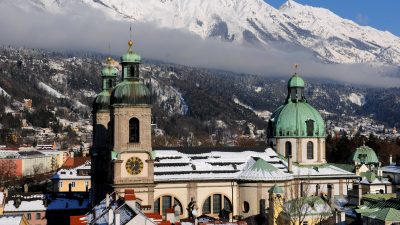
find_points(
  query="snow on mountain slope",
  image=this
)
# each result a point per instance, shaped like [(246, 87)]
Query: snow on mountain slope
[(50, 90), (3, 92), (358, 99), (340, 39), (254, 22)]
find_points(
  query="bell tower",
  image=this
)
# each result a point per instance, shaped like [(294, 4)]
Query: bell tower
[(131, 137), (100, 152)]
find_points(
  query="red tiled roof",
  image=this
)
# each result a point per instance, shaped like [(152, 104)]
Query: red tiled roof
[(154, 216), (77, 220), (73, 162), (164, 223)]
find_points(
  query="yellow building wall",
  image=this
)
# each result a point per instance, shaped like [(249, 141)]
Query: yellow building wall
[(79, 185)]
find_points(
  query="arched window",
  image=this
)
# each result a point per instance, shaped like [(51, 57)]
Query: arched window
[(110, 83), (215, 203), (288, 149), (310, 150), (246, 207), (166, 202), (134, 130)]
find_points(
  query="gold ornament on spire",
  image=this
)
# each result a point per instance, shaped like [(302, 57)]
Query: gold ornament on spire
[(130, 44), (109, 59), (296, 68)]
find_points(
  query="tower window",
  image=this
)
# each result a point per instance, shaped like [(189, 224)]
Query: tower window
[(288, 149), (310, 150), (110, 83), (310, 127), (134, 130)]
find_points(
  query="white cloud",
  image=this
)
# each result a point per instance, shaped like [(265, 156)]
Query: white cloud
[(85, 29)]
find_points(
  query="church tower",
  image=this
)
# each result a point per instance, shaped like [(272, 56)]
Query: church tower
[(101, 139), (296, 129), (131, 137), (275, 205)]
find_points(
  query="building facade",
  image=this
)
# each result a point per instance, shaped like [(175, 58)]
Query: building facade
[(206, 181)]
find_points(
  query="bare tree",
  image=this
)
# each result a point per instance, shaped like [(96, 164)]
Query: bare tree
[(298, 205), (37, 169)]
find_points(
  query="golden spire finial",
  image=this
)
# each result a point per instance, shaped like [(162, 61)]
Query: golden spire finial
[(109, 59), (130, 42)]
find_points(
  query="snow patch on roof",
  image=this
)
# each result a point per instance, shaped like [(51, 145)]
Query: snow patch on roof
[(10, 220)]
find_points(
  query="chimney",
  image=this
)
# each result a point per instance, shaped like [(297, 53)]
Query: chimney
[(107, 200), (117, 219), (110, 216), (390, 159), (330, 190), (289, 167), (130, 198)]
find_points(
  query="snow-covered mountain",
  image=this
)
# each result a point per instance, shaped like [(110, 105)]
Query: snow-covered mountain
[(254, 22)]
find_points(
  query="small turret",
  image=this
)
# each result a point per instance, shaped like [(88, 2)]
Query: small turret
[(275, 204), (108, 76)]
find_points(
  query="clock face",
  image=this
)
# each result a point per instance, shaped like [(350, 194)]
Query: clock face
[(134, 165)]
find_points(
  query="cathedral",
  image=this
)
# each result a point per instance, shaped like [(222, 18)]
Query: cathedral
[(208, 181)]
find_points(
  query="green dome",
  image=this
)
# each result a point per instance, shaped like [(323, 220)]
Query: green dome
[(130, 57), (109, 71), (290, 120), (102, 101), (365, 155), (296, 81), (276, 190), (131, 92)]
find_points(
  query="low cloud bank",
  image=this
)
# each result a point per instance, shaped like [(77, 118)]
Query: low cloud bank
[(80, 28)]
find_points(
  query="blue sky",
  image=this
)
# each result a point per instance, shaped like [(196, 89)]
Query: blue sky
[(380, 14)]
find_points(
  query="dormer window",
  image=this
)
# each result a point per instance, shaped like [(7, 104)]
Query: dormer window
[(310, 127)]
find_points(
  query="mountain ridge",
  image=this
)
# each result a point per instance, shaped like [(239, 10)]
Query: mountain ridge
[(331, 38)]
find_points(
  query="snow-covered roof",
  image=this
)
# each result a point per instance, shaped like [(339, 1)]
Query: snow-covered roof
[(100, 213), (73, 173), (232, 164), (11, 220), (36, 202), (25, 206), (391, 169)]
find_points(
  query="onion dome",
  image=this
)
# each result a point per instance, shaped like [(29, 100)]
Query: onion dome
[(131, 91), (365, 155), (296, 118), (296, 81), (109, 70), (275, 190), (102, 101), (130, 56)]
